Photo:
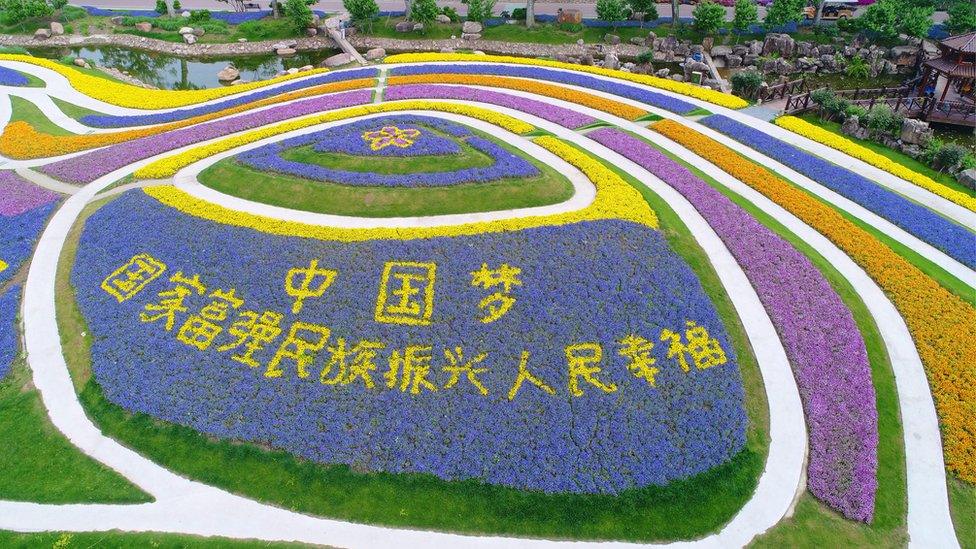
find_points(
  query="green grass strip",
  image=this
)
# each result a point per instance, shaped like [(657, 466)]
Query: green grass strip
[(23, 110)]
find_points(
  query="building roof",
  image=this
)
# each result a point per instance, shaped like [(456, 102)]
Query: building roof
[(963, 42), (951, 68)]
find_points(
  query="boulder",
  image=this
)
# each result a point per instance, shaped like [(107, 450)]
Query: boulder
[(42, 34), (419, 27), (57, 29), (145, 26), (304, 68), (442, 19), (826, 49), (733, 61), (916, 132), (311, 31), (804, 49), (198, 32), (285, 51), (778, 66), (79, 62), (637, 40), (242, 40), (692, 66), (573, 16), (611, 61), (586, 59), (913, 151), (682, 50), (740, 50), (447, 50), (471, 27), (749, 59), (293, 70), (116, 20), (186, 13), (662, 73), (650, 40), (903, 56), (478, 52), (669, 44), (375, 53), (186, 30), (721, 51), (190, 38), (404, 26), (228, 74), (337, 60), (677, 78), (967, 178), (611, 39), (466, 36), (285, 44), (780, 44), (707, 43), (852, 127), (828, 63)]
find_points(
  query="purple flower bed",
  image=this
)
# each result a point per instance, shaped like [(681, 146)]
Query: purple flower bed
[(506, 164), (90, 166), (118, 121), (348, 138), (822, 340), (630, 91), (553, 435), (558, 115), (24, 209), (8, 329), (955, 240), (10, 77)]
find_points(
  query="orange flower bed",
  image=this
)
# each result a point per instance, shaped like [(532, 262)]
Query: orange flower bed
[(21, 141), (615, 108), (940, 322)]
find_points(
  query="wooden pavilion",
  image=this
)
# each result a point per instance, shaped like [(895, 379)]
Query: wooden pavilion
[(948, 82)]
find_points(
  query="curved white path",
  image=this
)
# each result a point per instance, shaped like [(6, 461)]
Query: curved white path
[(180, 502), (895, 334)]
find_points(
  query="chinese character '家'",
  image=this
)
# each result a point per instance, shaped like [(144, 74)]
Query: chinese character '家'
[(129, 279), (406, 294)]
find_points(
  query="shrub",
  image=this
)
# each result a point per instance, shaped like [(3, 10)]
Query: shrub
[(647, 9), (519, 14), (199, 16), (453, 15), (362, 11), (962, 17), (13, 12), (299, 14), (949, 157), (176, 5), (882, 121), (888, 18), (745, 83), (160, 7), (857, 68), (571, 27), (830, 31), (746, 15), (709, 17), (645, 57), (425, 11), (781, 12), (855, 110), (831, 106), (480, 10), (611, 11)]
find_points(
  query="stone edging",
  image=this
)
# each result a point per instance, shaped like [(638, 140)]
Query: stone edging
[(304, 43)]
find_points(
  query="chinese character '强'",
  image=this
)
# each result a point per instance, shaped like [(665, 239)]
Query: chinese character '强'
[(254, 331)]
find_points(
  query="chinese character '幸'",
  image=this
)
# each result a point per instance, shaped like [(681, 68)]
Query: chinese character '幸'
[(201, 329), (171, 301), (498, 303), (640, 362), (584, 360), (412, 366), (129, 279), (406, 294), (304, 341), (705, 351), (254, 331), (305, 282)]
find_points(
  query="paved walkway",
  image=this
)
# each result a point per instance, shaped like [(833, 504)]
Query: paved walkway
[(928, 518)]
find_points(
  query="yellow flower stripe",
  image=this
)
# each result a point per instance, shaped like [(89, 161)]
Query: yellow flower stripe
[(847, 146), (615, 108), (20, 140), (683, 88), (166, 167), (615, 199), (127, 95), (940, 322)]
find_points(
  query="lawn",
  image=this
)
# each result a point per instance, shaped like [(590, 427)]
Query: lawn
[(235, 179), (22, 110), (125, 540)]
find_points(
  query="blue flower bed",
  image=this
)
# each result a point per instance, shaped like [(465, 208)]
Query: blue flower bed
[(349, 138), (918, 220), (231, 17), (118, 121), (8, 329), (581, 288), (506, 164), (620, 89), (102, 12), (18, 234), (10, 77)]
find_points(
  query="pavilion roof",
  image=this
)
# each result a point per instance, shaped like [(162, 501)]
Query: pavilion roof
[(951, 68), (962, 42)]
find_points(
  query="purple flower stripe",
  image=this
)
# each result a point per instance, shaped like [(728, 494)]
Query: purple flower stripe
[(89, 167), (822, 340), (955, 240), (348, 138), (620, 89), (118, 121), (10, 77), (558, 115), (17, 195), (8, 329), (636, 436)]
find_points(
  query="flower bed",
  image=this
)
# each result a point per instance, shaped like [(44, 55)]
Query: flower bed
[(10, 77), (90, 166), (247, 100), (20, 140), (168, 166), (557, 115), (24, 209), (847, 146), (507, 365), (126, 95), (955, 240), (616, 108), (819, 334), (505, 164), (8, 329), (574, 78), (683, 88), (940, 322), (355, 138)]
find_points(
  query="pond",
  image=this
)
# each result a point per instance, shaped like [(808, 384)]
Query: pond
[(176, 73)]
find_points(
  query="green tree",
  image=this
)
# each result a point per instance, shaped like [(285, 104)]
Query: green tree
[(708, 16), (647, 9), (783, 12), (299, 13), (424, 12), (888, 18), (916, 20), (480, 10), (818, 6), (962, 17), (362, 12), (611, 11), (17, 11), (746, 15)]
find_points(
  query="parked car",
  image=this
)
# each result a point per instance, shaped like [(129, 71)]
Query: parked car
[(833, 10)]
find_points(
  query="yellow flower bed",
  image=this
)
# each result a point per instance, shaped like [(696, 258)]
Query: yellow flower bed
[(21, 141), (127, 95), (615, 199), (683, 88), (615, 108), (847, 146), (166, 167), (940, 322)]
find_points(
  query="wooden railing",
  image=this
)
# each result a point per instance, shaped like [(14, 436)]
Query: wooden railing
[(779, 91), (874, 93)]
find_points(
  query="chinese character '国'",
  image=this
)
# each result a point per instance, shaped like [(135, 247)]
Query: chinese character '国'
[(406, 294), (129, 279)]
